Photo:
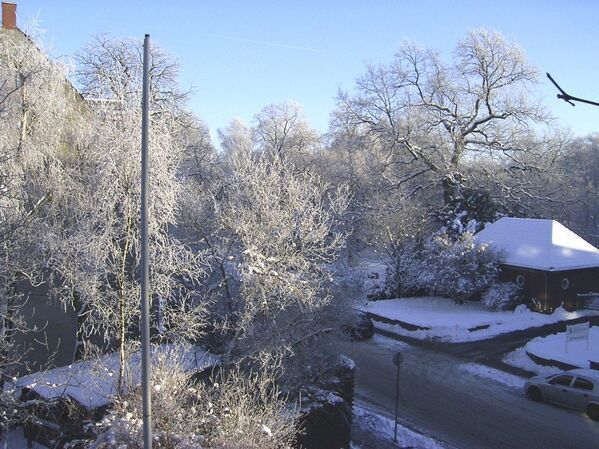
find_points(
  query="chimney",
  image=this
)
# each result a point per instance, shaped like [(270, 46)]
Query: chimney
[(9, 16)]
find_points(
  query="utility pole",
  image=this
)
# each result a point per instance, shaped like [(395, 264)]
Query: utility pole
[(397, 361), (145, 270)]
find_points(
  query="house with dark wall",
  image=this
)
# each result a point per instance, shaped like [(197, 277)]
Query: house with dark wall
[(552, 264), (50, 338)]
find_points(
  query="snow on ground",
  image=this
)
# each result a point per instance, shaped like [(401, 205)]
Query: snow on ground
[(389, 343), (577, 353), (490, 373), (93, 383), (384, 428), (451, 322), (14, 439), (520, 359)]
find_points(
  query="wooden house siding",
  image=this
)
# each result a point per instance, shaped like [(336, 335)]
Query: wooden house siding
[(547, 288)]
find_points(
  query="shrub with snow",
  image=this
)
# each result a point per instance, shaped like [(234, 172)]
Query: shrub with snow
[(460, 269), (403, 271), (456, 268), (235, 411), (502, 296)]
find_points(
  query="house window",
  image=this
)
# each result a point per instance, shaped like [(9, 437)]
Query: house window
[(565, 283), (520, 280)]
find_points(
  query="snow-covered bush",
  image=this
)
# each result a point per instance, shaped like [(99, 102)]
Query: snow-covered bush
[(502, 296), (234, 411), (467, 211), (403, 270), (459, 269)]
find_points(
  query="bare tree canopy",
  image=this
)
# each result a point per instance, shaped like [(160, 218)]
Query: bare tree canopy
[(432, 117), (110, 69)]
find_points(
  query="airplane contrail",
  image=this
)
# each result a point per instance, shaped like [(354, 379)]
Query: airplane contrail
[(269, 44)]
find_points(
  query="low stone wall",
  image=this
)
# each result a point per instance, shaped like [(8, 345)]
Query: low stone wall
[(407, 326), (549, 362)]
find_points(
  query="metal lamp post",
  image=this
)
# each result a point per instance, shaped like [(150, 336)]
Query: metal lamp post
[(397, 361), (145, 270)]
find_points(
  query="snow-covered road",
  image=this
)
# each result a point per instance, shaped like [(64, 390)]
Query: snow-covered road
[(467, 411)]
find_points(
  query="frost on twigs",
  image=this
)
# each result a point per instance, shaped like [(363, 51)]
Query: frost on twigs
[(276, 229), (38, 116), (231, 411), (92, 229), (503, 296)]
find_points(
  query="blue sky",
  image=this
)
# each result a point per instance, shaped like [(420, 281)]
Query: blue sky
[(239, 56)]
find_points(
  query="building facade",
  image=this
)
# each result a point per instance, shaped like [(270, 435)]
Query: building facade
[(551, 264)]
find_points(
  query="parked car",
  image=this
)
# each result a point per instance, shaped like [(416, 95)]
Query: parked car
[(362, 328), (577, 388)]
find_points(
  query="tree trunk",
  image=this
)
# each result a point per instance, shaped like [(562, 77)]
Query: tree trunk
[(122, 325), (6, 337), (451, 187), (122, 354), (78, 353)]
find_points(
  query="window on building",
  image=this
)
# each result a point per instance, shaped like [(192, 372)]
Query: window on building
[(565, 283), (520, 280)]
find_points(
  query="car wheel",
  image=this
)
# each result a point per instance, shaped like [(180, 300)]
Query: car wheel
[(593, 412), (534, 393)]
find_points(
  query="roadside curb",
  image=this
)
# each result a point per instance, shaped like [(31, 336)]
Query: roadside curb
[(516, 333), (488, 352), (550, 362), (407, 326)]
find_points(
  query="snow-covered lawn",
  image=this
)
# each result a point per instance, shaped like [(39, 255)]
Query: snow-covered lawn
[(384, 428), (520, 359), (93, 383), (576, 353), (452, 322)]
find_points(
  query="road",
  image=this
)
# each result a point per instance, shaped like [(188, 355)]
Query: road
[(463, 410)]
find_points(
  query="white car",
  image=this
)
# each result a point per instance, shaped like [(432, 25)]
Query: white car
[(577, 388)]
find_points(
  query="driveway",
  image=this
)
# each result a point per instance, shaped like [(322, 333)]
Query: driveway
[(464, 411)]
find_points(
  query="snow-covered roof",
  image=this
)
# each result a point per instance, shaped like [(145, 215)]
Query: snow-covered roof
[(93, 383), (540, 244)]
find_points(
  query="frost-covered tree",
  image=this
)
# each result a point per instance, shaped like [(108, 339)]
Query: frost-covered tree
[(38, 125), (399, 244), (275, 231), (93, 227), (286, 228), (432, 116), (235, 139), (280, 130), (577, 179)]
